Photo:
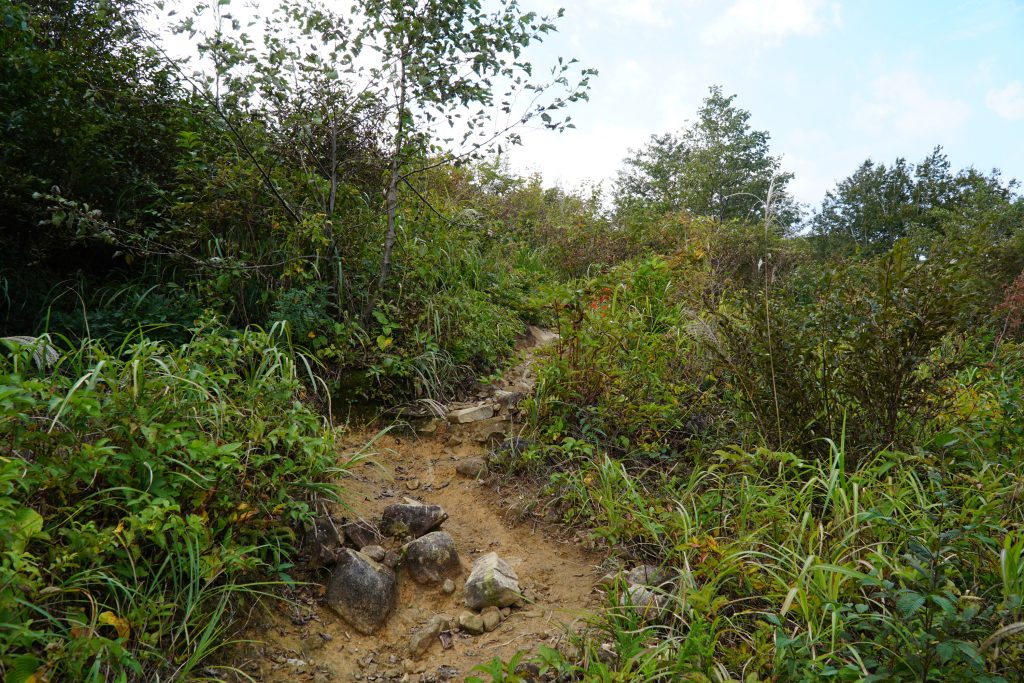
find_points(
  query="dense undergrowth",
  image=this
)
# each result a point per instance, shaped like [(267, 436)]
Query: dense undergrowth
[(143, 491), (826, 453)]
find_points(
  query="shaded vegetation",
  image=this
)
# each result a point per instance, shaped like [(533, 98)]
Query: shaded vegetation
[(142, 489)]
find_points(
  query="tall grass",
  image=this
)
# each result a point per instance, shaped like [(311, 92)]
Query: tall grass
[(908, 568), (148, 492)]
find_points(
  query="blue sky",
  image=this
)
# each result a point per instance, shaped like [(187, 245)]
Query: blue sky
[(833, 82)]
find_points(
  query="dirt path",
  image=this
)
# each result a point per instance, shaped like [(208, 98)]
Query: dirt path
[(556, 574)]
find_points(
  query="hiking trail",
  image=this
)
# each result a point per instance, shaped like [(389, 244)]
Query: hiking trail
[(556, 569)]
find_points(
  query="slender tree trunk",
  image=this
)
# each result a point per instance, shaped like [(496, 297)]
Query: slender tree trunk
[(339, 279), (334, 163), (392, 196)]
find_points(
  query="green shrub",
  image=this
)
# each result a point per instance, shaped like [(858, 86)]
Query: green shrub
[(869, 345), (140, 491), (627, 374), (304, 308), (907, 569)]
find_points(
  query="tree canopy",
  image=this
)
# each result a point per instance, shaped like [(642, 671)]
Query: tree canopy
[(718, 166), (876, 205)]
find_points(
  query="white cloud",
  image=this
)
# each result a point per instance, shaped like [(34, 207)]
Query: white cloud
[(1008, 102), (628, 76), (899, 103), (771, 20), (807, 155)]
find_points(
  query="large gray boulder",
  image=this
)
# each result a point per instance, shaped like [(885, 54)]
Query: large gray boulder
[(411, 521), (422, 639), (650, 575), (432, 558), (361, 591), (474, 468), (492, 582)]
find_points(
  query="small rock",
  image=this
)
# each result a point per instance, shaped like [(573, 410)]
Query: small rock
[(471, 414), (506, 612), (324, 540), (447, 641), (361, 533), (492, 430), (391, 559), (606, 581), (649, 575), (528, 671), (361, 592), (422, 639), (606, 653), (538, 336), (402, 520), (507, 398), (427, 428), (645, 601), (446, 672), (509, 451), (491, 618), (313, 642), (412, 484), (491, 582), (470, 622), (432, 558), (448, 587), (374, 552), (474, 468)]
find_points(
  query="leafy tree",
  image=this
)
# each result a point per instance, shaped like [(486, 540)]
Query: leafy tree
[(868, 209), (86, 113), (878, 205), (717, 167), (651, 178), (404, 73), (440, 60)]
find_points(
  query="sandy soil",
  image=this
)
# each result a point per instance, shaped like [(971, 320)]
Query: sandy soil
[(558, 574)]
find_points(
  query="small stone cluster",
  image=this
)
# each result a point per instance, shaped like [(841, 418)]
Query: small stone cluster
[(490, 417), (363, 588)]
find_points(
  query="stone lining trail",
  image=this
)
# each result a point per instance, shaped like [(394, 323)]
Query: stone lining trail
[(429, 633)]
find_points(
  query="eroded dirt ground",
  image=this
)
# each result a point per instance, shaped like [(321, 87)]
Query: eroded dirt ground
[(555, 570)]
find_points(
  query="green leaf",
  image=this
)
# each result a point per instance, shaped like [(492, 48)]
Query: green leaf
[(27, 523), (23, 670), (909, 602)]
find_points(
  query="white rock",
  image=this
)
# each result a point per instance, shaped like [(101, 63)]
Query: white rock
[(492, 582), (472, 414)]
